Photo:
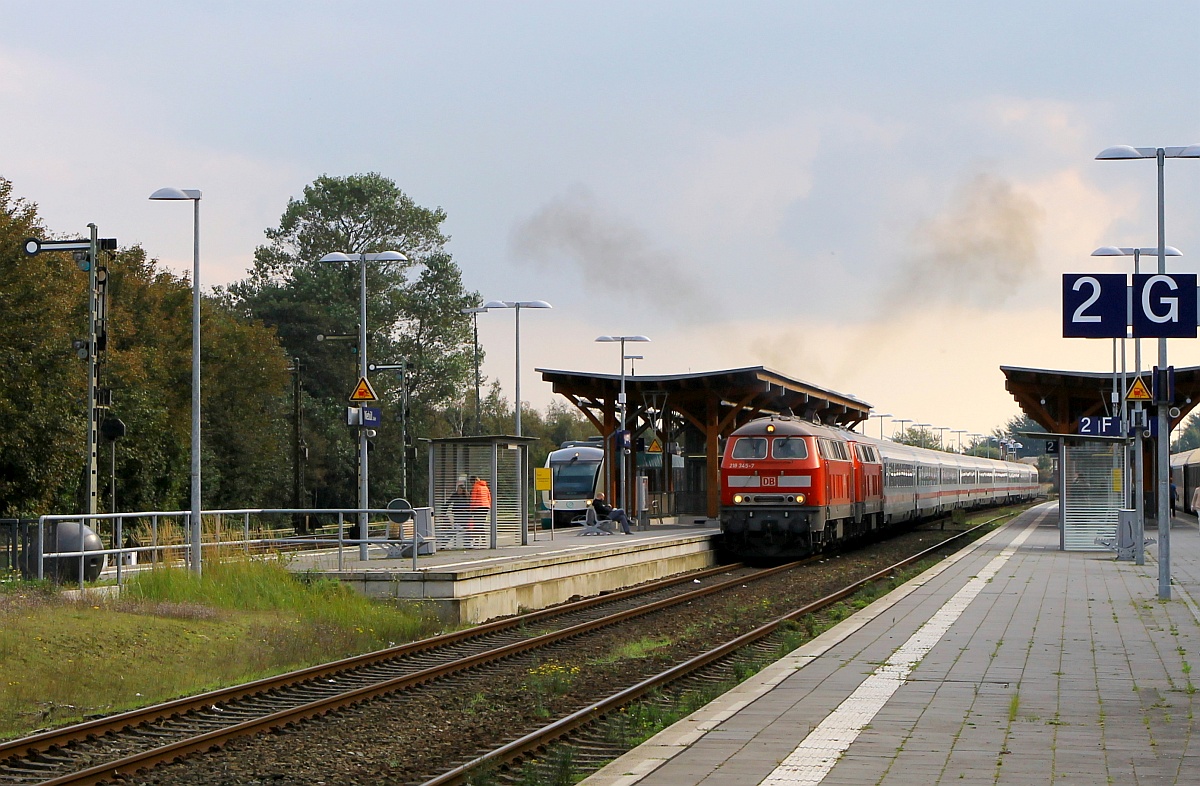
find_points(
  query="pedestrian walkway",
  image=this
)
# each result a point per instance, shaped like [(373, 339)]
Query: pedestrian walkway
[(1010, 663)]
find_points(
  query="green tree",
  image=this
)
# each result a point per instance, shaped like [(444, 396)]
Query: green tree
[(147, 365), (43, 417), (1189, 434), (413, 318)]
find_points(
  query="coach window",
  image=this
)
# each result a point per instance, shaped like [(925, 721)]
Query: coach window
[(750, 448), (789, 448)]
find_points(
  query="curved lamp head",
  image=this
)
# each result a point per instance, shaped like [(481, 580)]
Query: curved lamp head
[(1125, 251), (622, 338), (176, 193), (382, 256), (516, 304)]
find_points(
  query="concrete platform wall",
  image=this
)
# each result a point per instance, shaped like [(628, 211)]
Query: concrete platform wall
[(480, 591)]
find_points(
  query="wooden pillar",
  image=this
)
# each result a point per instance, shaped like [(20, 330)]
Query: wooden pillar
[(712, 429)]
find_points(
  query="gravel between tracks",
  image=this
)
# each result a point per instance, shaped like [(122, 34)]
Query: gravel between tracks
[(407, 737)]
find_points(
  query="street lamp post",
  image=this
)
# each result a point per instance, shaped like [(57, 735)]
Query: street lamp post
[(1163, 452), (902, 421), (631, 358), (475, 312), (175, 194), (941, 430), (881, 416), (959, 432), (517, 305), (1139, 480), (363, 482), (621, 403), (923, 426)]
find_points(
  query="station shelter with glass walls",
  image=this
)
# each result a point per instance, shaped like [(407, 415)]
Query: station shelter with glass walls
[(682, 420), (1094, 473)]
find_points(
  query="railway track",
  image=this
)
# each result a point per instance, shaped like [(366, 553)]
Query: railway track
[(122, 744), (586, 740)]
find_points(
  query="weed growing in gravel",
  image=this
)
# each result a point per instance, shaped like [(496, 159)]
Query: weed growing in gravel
[(629, 650), (556, 769), (547, 680)]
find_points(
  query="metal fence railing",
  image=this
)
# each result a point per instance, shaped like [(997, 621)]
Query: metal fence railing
[(58, 547)]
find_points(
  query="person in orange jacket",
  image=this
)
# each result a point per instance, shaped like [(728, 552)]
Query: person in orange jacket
[(481, 499)]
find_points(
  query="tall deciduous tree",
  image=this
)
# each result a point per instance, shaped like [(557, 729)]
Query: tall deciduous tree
[(146, 363), (413, 317), (42, 384)]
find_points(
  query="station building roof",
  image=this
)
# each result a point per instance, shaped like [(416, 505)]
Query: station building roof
[(1056, 400), (740, 392)]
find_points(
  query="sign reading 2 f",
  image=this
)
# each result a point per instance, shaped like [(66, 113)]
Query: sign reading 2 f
[(1164, 306), (1095, 305)]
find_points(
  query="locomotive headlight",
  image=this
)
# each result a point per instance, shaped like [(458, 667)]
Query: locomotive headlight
[(738, 499), (799, 499)]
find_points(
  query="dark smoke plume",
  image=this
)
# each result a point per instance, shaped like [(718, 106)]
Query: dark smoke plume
[(612, 256)]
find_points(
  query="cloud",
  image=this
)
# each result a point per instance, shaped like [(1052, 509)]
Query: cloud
[(612, 254), (980, 250)]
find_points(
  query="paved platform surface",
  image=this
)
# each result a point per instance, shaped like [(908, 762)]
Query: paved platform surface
[(542, 543), (1012, 663)]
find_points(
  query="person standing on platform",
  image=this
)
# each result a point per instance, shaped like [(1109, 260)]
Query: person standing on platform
[(481, 499), (1196, 504), (1174, 498), (606, 511)]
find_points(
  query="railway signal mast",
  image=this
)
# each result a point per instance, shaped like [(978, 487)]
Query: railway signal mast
[(85, 253)]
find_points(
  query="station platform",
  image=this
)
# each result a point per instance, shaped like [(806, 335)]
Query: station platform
[(1010, 663), (475, 585)]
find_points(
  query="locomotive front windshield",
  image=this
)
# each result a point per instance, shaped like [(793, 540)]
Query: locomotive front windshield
[(789, 448), (574, 479), (750, 448)]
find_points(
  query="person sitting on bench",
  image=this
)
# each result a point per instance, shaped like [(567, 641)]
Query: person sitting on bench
[(606, 511)]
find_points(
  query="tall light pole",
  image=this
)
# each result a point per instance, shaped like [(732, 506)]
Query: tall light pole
[(621, 402), (902, 421), (631, 358), (517, 305), (475, 312), (881, 416), (941, 430), (923, 426), (1139, 480), (363, 482), (1163, 452), (193, 194)]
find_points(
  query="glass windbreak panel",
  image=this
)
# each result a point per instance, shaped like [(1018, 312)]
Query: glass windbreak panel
[(575, 480), (789, 448), (750, 448)]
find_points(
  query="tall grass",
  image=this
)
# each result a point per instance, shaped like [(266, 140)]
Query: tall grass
[(172, 634)]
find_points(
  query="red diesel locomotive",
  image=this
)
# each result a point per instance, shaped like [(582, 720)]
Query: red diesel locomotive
[(790, 487)]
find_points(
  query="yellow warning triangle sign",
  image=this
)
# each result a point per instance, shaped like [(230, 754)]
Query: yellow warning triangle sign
[(1138, 391), (363, 391)]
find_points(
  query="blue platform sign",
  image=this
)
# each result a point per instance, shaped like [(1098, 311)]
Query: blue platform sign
[(1102, 426), (1095, 305), (371, 416), (1164, 306)]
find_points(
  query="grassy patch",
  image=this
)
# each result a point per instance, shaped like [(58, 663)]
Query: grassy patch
[(641, 648), (172, 634)]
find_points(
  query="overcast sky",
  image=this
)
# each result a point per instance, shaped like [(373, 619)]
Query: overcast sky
[(879, 198)]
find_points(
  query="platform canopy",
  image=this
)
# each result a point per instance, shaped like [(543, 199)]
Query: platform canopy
[(1056, 400), (714, 402)]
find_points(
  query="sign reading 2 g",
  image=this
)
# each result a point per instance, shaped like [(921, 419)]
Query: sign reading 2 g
[(1102, 305)]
